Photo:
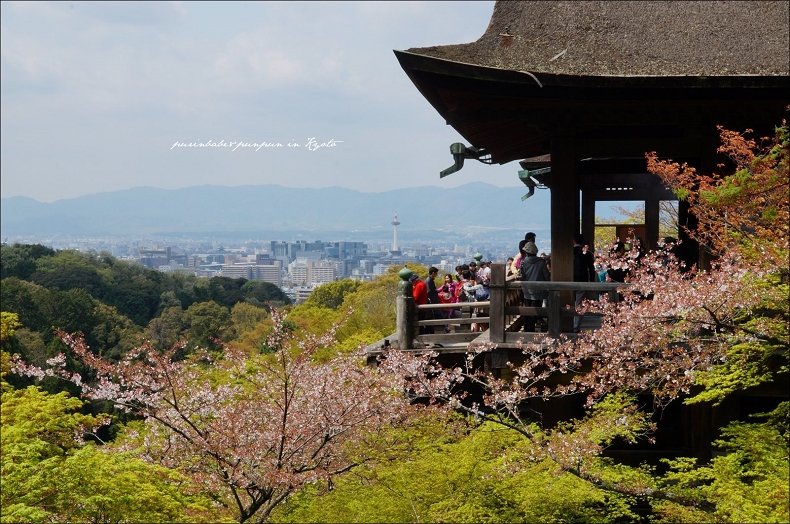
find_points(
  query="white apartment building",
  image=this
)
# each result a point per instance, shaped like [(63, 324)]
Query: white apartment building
[(297, 272), (322, 272), (380, 269), (271, 273), (303, 272)]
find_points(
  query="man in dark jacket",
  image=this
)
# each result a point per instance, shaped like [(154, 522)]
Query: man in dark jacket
[(533, 269), (583, 271), (433, 295)]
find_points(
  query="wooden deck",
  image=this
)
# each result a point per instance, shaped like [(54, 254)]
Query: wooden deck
[(503, 317)]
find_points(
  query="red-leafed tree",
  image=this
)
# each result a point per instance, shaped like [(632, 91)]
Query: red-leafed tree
[(744, 206), (249, 430)]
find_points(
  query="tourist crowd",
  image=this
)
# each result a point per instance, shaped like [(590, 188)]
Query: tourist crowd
[(471, 282)]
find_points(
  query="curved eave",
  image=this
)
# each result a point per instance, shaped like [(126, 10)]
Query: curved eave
[(513, 114), (417, 62)]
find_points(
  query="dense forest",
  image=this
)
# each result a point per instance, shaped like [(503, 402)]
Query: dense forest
[(134, 396)]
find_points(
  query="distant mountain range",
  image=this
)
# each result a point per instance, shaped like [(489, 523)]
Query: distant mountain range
[(256, 210)]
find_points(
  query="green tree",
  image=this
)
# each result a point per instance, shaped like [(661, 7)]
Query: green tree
[(166, 329), (226, 291), (445, 470), (246, 317), (69, 270), (746, 482), (371, 306), (113, 333), (207, 323), (19, 260), (9, 323), (263, 293), (48, 475), (72, 311), (26, 300), (332, 294), (136, 291)]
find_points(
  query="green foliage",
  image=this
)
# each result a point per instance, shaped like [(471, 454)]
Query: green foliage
[(263, 294), (9, 323), (442, 471), (365, 315), (19, 260), (26, 300), (371, 306), (760, 346), (748, 482), (112, 333), (332, 294), (314, 319), (112, 302), (136, 291), (207, 323), (246, 317), (166, 329), (47, 474), (69, 270)]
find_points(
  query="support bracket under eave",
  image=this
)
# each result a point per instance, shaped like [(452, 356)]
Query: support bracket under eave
[(533, 178), (461, 152)]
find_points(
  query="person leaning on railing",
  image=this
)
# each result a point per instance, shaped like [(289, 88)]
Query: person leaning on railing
[(533, 269)]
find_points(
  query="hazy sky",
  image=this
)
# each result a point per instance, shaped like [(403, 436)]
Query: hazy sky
[(95, 94)]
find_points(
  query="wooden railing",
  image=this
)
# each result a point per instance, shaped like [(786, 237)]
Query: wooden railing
[(503, 315)]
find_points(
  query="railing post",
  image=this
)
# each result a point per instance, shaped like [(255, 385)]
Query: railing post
[(405, 314), (405, 311), (554, 320), (496, 311)]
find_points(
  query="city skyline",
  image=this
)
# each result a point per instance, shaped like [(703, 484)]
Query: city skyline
[(106, 96)]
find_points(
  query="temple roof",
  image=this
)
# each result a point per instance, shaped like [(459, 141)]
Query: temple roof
[(631, 39)]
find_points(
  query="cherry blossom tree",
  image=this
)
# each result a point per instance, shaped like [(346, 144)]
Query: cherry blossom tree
[(723, 328), (249, 430)]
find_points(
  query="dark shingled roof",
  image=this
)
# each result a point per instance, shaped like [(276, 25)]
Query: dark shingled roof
[(627, 39)]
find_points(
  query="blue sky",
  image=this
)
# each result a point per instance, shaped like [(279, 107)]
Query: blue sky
[(94, 95)]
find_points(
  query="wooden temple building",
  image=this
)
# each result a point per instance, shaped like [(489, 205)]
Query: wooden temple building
[(578, 93), (587, 88)]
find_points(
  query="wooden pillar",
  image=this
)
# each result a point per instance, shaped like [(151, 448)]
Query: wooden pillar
[(496, 311), (564, 209), (651, 223), (588, 219), (564, 216), (709, 143), (689, 248)]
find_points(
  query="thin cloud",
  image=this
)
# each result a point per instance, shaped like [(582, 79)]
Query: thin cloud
[(94, 95)]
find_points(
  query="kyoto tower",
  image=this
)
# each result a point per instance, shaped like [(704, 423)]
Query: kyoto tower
[(395, 223)]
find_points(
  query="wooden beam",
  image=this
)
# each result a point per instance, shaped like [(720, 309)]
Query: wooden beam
[(651, 223)]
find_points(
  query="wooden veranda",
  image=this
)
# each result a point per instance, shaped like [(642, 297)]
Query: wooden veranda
[(503, 318)]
